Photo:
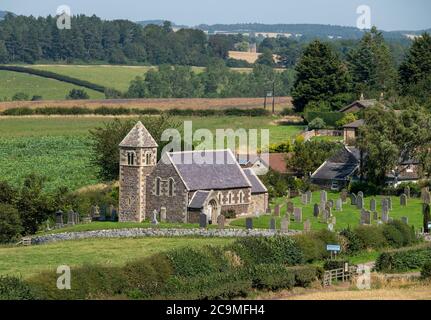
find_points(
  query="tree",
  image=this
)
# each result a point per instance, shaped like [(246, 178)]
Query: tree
[(348, 118), (317, 123), (266, 58), (77, 94), (20, 96), (371, 65), (320, 75), (8, 194), (416, 67), (10, 223), (105, 140)]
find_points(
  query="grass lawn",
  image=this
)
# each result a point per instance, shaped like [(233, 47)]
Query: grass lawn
[(28, 261), (57, 146), (14, 82), (350, 216)]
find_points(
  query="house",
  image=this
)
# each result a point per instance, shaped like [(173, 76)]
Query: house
[(273, 161), (351, 131), (182, 185), (339, 170), (359, 105)]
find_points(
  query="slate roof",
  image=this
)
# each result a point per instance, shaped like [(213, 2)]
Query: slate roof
[(355, 124), (198, 199), (257, 187), (214, 170), (361, 104), (139, 137)]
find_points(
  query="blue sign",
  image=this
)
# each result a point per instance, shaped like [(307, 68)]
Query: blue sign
[(333, 247)]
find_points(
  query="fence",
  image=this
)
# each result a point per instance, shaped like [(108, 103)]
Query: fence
[(343, 274)]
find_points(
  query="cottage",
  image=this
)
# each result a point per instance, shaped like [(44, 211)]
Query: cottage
[(351, 132), (359, 105), (182, 185), (274, 161)]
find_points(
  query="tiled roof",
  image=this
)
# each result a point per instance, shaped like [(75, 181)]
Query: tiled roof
[(198, 199), (212, 170), (139, 137), (257, 185), (360, 103), (355, 124), (340, 166)]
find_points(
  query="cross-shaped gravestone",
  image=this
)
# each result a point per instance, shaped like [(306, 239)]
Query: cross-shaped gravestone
[(285, 224), (316, 210), (339, 205), (272, 224), (403, 200), (154, 221), (373, 205), (249, 223), (298, 214), (221, 221), (203, 220)]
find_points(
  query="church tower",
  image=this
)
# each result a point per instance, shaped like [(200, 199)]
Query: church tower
[(138, 157)]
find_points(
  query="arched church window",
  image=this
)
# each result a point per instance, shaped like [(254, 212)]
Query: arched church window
[(158, 186), (241, 197), (148, 159), (171, 187), (131, 158)]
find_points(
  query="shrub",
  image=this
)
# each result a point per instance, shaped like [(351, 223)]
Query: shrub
[(229, 214), (268, 250), (316, 124), (77, 94), (426, 270), (18, 112), (367, 188), (13, 288), (353, 242), (36, 98), (403, 259), (371, 237), (306, 275), (271, 277), (10, 224), (334, 264), (20, 96), (399, 234), (330, 118), (312, 249)]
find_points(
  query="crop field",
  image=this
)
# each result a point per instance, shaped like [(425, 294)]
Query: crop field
[(28, 261), (350, 216), (14, 82), (57, 147)]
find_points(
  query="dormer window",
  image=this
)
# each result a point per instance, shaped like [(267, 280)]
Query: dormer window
[(131, 158)]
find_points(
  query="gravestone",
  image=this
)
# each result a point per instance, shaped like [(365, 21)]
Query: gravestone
[(344, 195), (221, 221), (304, 199), (249, 224), (268, 210), (290, 207), (390, 203), (298, 214), (77, 218), (365, 217), (359, 202), (331, 204), (203, 220), (95, 212), (110, 210), (407, 192), (325, 216), (328, 208), (285, 224), (323, 196), (405, 220), (361, 194), (427, 197), (373, 205), (309, 197), (331, 227), (272, 224), (385, 216), (307, 226), (102, 213), (277, 210), (403, 200), (316, 210), (334, 220), (353, 199), (59, 219), (70, 218), (375, 215), (339, 205), (163, 214), (114, 215), (154, 221)]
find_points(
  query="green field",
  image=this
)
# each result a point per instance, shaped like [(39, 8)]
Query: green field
[(14, 82), (28, 261), (350, 216), (57, 146)]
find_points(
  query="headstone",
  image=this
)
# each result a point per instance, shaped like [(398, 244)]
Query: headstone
[(95, 212), (328, 208), (331, 227), (290, 207), (407, 192), (403, 200), (331, 204), (316, 210), (385, 216), (373, 205), (298, 214), (359, 202), (221, 221), (249, 223), (339, 205), (154, 221), (390, 203), (334, 220), (285, 224), (163, 214), (353, 199), (70, 218), (110, 210), (425, 196), (268, 210), (361, 194), (304, 199), (365, 217), (277, 211), (309, 197), (325, 216), (272, 224), (59, 219), (114, 215), (307, 226), (203, 220), (323, 196), (77, 218), (375, 215), (344, 195), (405, 220), (102, 213)]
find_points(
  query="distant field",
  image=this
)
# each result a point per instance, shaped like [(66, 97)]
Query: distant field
[(14, 82), (57, 146)]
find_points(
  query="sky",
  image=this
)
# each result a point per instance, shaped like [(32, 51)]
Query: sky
[(387, 15)]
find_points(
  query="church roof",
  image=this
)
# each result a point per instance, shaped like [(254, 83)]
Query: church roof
[(139, 137), (198, 199), (257, 186), (209, 170)]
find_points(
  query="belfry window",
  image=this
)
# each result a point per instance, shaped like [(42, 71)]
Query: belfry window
[(148, 158), (131, 158)]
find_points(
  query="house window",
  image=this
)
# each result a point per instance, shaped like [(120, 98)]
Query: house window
[(158, 186), (171, 187), (131, 158)]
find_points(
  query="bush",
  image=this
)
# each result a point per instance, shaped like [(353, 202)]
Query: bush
[(403, 259), (317, 124), (306, 275), (229, 214), (312, 249), (18, 112), (330, 118), (371, 237), (353, 242), (12, 288), (271, 277), (77, 94), (334, 264), (399, 234), (426, 270), (10, 224), (268, 250), (20, 96), (367, 188)]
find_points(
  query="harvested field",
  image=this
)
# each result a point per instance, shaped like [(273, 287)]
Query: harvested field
[(161, 104)]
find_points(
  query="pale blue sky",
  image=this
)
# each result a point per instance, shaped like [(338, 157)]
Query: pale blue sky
[(386, 14)]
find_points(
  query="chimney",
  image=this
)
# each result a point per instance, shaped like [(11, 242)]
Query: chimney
[(362, 96)]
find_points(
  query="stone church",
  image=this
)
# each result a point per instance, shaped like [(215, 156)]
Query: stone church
[(180, 190)]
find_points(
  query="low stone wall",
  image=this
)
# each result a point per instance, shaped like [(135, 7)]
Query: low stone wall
[(142, 233), (307, 135)]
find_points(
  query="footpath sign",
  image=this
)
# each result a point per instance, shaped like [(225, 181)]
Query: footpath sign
[(334, 249)]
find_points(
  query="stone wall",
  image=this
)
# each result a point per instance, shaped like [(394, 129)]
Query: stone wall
[(142, 233), (259, 202)]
